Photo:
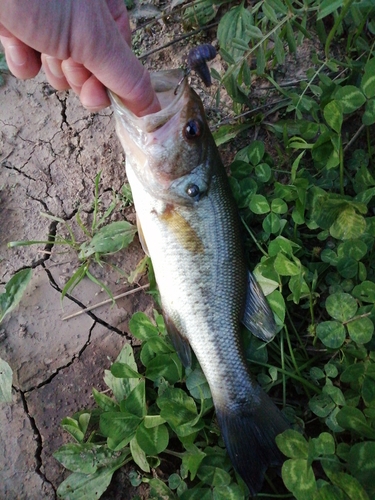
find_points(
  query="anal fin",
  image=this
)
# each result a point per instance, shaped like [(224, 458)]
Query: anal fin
[(180, 343), (142, 238), (258, 317)]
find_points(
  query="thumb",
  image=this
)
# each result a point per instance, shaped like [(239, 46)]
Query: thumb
[(115, 65), (121, 72)]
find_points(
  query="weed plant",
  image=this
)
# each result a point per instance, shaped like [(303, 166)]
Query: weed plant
[(9, 299), (100, 239), (308, 207)]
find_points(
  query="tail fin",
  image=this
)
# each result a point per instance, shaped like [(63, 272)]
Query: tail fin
[(249, 429)]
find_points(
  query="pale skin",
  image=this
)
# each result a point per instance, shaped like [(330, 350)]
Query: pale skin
[(81, 44)]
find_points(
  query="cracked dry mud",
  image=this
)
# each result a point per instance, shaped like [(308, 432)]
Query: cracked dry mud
[(51, 149)]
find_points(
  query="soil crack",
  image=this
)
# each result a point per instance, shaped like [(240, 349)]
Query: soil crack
[(61, 368), (52, 231), (92, 316), (62, 101), (42, 202), (19, 170), (39, 442)]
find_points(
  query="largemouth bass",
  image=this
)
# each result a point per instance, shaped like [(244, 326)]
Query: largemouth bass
[(188, 224)]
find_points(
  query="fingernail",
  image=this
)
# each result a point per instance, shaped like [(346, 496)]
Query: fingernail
[(17, 55), (54, 65), (95, 103)]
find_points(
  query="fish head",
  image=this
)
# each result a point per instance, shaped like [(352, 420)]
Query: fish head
[(168, 151)]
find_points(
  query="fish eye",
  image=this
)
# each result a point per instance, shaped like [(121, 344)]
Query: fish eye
[(193, 129), (193, 190)]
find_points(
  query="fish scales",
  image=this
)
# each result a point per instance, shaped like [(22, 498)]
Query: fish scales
[(188, 224), (194, 294)]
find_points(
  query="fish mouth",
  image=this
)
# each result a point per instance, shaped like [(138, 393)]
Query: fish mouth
[(140, 136), (170, 88)]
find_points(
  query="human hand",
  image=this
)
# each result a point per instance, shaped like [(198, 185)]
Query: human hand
[(82, 44)]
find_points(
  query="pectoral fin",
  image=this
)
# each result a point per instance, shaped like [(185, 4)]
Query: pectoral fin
[(180, 343), (258, 317), (142, 238)]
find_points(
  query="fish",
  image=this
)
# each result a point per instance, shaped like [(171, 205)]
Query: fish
[(189, 225)]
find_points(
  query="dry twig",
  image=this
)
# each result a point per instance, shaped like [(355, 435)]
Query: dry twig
[(104, 302)]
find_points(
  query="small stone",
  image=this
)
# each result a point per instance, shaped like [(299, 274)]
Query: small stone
[(22, 332)]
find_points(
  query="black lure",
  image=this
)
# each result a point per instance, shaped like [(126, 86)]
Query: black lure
[(197, 60)]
